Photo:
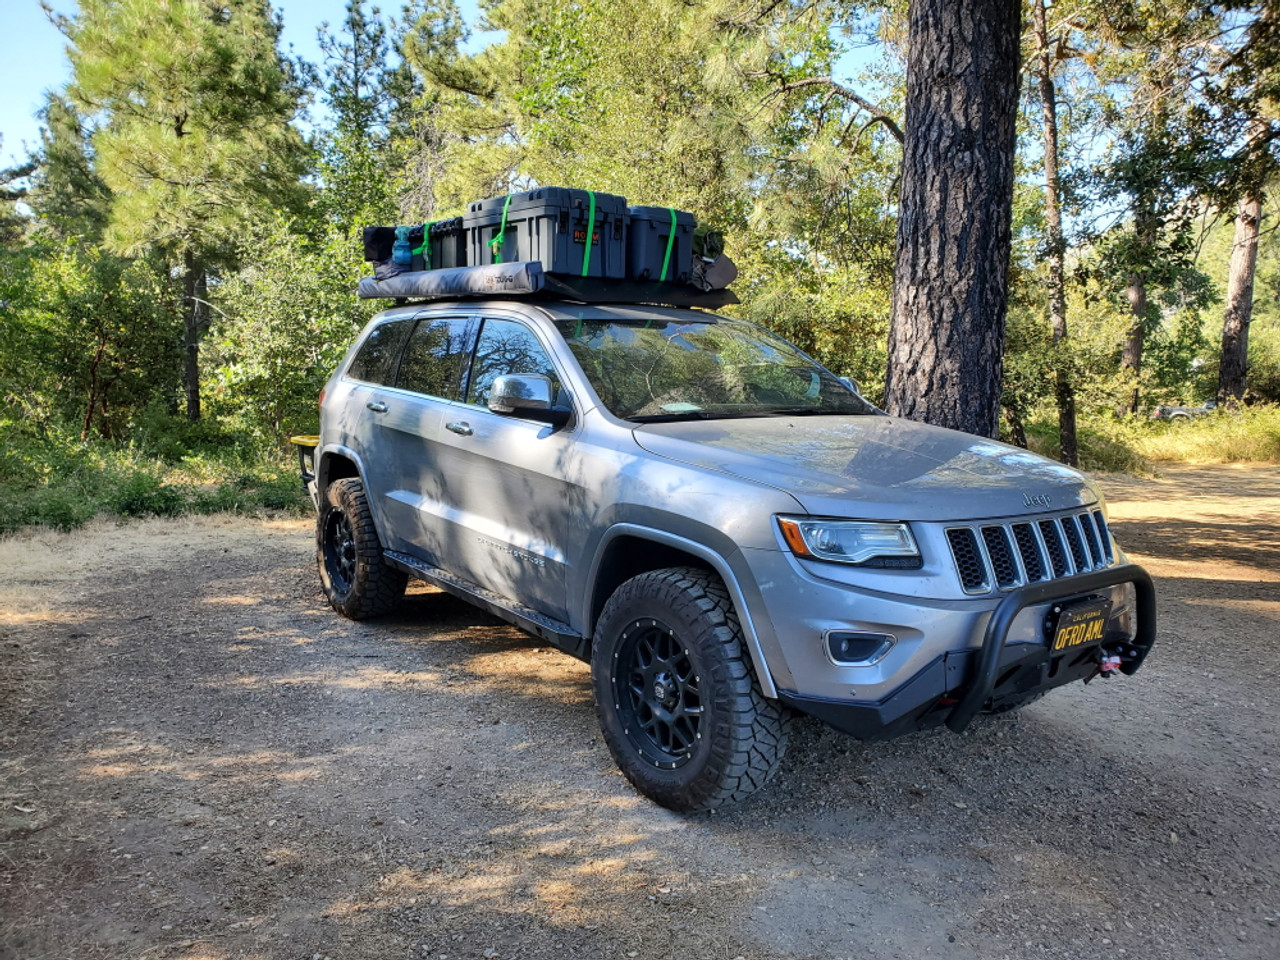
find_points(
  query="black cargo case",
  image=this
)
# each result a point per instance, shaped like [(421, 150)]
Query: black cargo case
[(650, 244), (549, 225)]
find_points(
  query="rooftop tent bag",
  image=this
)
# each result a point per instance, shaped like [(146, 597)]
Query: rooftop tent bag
[(659, 244), (495, 280), (572, 232)]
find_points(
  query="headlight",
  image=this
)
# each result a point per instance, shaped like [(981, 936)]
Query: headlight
[(865, 543)]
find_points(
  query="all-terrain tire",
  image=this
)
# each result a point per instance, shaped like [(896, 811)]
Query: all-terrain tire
[(358, 583), (677, 699)]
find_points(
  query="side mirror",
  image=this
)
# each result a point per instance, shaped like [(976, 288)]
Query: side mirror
[(526, 395), (852, 384), (519, 392)]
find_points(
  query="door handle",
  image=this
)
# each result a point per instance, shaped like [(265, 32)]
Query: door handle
[(460, 427), (377, 406)]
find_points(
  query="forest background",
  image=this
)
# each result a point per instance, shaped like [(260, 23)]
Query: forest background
[(178, 257)]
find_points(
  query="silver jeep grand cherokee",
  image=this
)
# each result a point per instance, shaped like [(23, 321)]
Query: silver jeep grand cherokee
[(722, 528)]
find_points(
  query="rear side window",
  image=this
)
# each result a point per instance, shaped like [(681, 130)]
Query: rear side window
[(376, 360), (436, 357), (507, 347)]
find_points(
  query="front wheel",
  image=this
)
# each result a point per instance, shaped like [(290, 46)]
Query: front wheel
[(677, 700), (358, 583)]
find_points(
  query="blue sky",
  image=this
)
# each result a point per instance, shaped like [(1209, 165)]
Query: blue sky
[(33, 58)]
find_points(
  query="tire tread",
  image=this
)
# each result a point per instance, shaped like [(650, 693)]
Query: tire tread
[(379, 587), (752, 733)]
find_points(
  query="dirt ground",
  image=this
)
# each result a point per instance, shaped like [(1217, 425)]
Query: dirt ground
[(198, 760)]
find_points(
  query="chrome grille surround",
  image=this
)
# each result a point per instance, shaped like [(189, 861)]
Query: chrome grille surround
[(1013, 553)]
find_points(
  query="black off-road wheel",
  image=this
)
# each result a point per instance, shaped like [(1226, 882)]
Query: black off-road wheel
[(676, 696), (358, 583)]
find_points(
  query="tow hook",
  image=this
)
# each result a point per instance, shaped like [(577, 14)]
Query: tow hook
[(1108, 665)]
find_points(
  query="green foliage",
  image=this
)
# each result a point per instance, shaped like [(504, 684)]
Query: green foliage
[(53, 479), (1113, 444), (143, 495), (1106, 444), (68, 195), (190, 105), (1251, 434), (365, 157), (89, 338), (13, 224), (286, 321)]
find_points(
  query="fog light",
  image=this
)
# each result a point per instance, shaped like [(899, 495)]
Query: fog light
[(847, 646)]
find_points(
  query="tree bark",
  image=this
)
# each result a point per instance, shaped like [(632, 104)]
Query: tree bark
[(1233, 369), (93, 387), (192, 288), (1063, 389), (1144, 226), (950, 294)]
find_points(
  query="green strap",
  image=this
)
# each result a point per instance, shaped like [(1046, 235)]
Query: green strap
[(591, 226), (426, 241), (495, 245), (671, 242)]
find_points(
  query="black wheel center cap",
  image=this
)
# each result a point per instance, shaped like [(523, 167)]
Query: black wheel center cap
[(665, 690)]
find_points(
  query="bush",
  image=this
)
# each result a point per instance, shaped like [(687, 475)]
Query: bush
[(1248, 435), (52, 478), (143, 495), (1129, 445), (1104, 445)]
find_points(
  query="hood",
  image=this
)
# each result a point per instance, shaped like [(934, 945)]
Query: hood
[(875, 467)]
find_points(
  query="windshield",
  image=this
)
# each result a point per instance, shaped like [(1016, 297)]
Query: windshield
[(664, 369)]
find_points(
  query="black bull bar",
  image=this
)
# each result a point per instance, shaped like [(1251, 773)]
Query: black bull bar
[(1002, 618)]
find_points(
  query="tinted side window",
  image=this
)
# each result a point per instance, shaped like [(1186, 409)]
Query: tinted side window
[(507, 347), (436, 357), (376, 360)]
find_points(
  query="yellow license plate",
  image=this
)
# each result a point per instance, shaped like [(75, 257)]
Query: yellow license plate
[(1080, 624)]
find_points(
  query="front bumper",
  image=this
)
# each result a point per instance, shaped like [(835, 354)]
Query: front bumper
[(954, 686)]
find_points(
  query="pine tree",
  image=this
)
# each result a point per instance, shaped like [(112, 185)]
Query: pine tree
[(12, 189), (946, 339), (189, 106), (68, 196)]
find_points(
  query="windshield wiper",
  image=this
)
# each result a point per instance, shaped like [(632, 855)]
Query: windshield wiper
[(695, 415), (803, 412)]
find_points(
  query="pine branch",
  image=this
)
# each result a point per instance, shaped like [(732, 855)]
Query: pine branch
[(878, 115)]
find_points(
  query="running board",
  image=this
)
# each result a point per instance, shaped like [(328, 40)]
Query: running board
[(558, 634)]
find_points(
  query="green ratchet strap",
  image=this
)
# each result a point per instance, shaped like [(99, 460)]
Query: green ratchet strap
[(591, 226), (495, 245), (671, 242), (426, 241)]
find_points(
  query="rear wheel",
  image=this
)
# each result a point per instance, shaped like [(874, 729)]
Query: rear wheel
[(677, 700), (358, 583)]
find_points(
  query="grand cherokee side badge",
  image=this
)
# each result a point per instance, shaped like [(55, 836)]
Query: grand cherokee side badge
[(1039, 500)]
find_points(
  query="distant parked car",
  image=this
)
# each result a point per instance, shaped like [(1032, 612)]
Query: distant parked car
[(1183, 413)]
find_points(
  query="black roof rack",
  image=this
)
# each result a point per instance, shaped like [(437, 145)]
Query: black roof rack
[(527, 281)]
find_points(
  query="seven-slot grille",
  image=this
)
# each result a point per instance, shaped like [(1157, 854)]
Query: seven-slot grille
[(1005, 555)]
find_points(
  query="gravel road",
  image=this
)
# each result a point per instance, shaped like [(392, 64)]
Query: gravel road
[(199, 760)]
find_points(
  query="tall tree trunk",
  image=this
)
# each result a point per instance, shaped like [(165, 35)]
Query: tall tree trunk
[(1234, 366), (193, 290), (1144, 226), (950, 292), (93, 387), (1063, 390)]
